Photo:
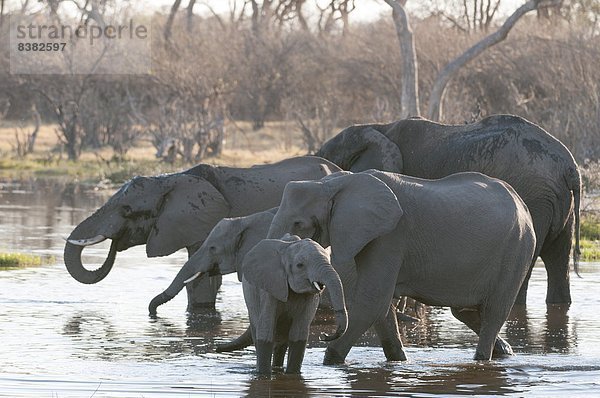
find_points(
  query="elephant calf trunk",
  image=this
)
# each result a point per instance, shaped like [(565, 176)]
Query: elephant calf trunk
[(239, 343), (158, 300)]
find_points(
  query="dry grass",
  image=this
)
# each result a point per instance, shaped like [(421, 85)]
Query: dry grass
[(243, 148)]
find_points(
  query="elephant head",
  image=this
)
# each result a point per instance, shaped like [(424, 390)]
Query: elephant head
[(221, 253), (345, 212), (166, 213), (301, 265), (359, 148)]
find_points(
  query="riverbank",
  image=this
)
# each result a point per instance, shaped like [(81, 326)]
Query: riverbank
[(20, 260)]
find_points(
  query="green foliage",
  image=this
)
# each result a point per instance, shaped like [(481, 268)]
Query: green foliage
[(590, 238), (15, 260), (590, 228), (590, 250)]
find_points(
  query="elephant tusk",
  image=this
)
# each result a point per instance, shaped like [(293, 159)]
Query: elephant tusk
[(87, 242), (193, 277), (318, 286)]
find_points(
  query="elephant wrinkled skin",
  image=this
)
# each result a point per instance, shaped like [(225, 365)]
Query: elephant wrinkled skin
[(174, 211), (465, 241), (282, 280), (538, 166)]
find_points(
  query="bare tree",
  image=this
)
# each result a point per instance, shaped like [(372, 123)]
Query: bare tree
[(171, 19), (25, 141), (190, 14), (333, 12), (409, 97), (435, 110), (2, 12)]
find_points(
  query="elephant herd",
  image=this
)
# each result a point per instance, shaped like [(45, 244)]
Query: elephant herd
[(450, 215)]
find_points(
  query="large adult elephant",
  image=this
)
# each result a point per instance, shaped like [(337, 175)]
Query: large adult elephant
[(175, 211), (539, 167), (465, 241)]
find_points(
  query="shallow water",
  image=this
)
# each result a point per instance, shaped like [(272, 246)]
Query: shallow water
[(65, 339)]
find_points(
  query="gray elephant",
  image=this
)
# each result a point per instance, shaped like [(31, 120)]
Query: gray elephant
[(282, 280), (465, 241), (174, 211), (538, 166), (221, 253)]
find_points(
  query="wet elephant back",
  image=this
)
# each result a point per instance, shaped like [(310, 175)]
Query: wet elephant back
[(259, 188)]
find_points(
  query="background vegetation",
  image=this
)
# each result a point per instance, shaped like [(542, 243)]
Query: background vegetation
[(269, 79), (219, 77)]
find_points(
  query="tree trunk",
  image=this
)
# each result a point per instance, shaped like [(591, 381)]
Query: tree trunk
[(409, 98), (436, 98), (170, 20), (33, 136), (1, 13), (190, 14)]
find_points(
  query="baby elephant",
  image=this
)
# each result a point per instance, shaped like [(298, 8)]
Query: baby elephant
[(223, 252), (282, 280)]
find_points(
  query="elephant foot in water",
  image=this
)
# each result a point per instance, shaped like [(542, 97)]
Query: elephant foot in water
[(502, 349), (332, 357)]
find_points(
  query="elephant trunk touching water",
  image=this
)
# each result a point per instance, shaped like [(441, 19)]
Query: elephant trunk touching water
[(221, 253), (178, 283), (174, 211)]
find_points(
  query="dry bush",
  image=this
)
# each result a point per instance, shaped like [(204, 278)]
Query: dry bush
[(222, 69)]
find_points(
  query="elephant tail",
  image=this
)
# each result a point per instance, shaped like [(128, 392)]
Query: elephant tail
[(238, 343), (576, 249)]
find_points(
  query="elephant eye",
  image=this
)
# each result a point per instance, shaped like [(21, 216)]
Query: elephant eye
[(212, 249), (299, 265), (297, 224)]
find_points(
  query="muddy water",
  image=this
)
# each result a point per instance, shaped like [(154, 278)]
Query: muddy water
[(64, 339)]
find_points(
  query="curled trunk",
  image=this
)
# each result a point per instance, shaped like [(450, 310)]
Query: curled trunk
[(238, 343), (72, 257), (178, 283), (331, 280)]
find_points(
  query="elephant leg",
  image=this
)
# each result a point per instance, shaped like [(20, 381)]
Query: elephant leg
[(295, 356), (202, 292), (282, 329), (279, 354), (371, 306), (522, 295), (387, 330), (472, 318), (556, 259), (264, 353)]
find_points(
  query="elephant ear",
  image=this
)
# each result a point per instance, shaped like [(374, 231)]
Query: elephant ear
[(263, 268), (363, 208), (191, 207), (379, 152), (362, 147)]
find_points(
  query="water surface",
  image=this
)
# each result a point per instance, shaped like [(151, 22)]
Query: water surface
[(65, 339)]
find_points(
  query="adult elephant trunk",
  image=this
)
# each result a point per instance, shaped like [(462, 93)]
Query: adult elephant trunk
[(186, 272), (72, 257), (326, 275)]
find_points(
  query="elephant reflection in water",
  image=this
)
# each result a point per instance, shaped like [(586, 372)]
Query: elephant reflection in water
[(283, 385), (556, 335), (86, 329)]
